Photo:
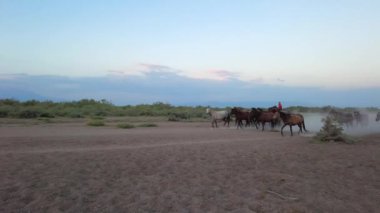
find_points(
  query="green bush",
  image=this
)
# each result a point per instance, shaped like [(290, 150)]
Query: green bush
[(47, 115), (75, 115), (28, 113), (46, 120), (332, 131), (148, 125), (173, 118), (178, 116), (126, 126), (95, 123), (97, 117), (5, 111), (9, 102)]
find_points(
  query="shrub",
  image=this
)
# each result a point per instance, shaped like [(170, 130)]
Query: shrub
[(97, 117), (46, 120), (148, 125), (29, 113), (76, 115), (173, 118), (10, 102), (47, 115), (5, 111), (177, 116), (332, 131), (126, 126), (95, 123)]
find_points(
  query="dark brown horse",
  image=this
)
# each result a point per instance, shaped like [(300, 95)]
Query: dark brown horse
[(263, 117), (292, 120), (240, 116), (361, 118)]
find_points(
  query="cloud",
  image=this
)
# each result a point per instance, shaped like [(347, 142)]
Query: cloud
[(162, 83), (9, 76), (224, 74), (155, 67), (219, 75), (144, 70)]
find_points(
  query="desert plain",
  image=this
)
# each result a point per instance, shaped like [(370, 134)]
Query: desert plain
[(182, 167)]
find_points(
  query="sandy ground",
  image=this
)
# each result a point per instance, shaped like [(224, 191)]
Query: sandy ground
[(182, 167)]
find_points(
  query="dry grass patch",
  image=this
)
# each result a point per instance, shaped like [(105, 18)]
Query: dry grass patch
[(126, 126), (95, 123), (148, 125)]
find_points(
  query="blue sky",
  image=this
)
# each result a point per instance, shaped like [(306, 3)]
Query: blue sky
[(328, 46)]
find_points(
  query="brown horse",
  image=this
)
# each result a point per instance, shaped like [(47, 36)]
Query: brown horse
[(240, 115), (292, 120), (263, 117)]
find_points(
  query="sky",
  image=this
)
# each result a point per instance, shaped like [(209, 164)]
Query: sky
[(324, 46)]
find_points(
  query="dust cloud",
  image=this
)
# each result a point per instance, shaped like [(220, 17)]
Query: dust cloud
[(313, 122)]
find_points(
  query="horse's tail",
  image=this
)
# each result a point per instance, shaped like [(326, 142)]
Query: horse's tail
[(303, 125)]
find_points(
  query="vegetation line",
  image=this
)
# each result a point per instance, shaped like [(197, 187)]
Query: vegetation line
[(10, 108)]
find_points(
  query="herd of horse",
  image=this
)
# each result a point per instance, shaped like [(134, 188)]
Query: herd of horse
[(257, 116), (274, 116)]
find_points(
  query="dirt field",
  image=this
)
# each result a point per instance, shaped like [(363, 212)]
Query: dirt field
[(182, 167)]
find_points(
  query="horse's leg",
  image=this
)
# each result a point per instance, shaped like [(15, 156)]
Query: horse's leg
[(263, 124), (291, 130), (247, 123), (282, 129), (299, 126), (257, 127), (216, 123)]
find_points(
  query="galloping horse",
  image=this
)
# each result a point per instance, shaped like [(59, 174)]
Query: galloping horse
[(276, 118), (240, 115), (291, 120), (378, 116), (216, 116), (342, 117), (361, 119), (263, 117)]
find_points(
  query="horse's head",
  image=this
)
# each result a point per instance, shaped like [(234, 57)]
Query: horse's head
[(255, 111), (234, 110), (283, 115), (208, 111), (273, 109)]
